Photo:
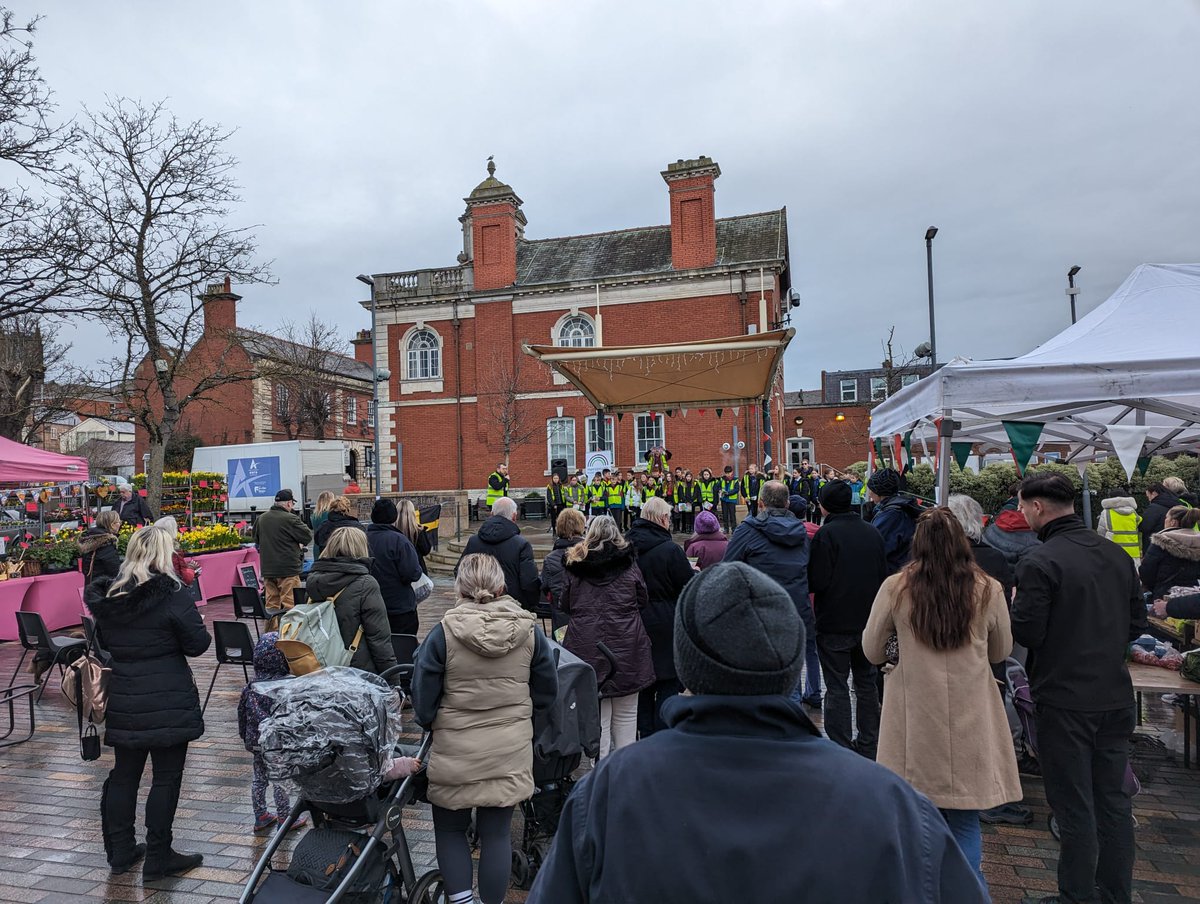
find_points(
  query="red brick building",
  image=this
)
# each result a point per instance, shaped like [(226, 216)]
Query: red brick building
[(262, 408), (452, 337)]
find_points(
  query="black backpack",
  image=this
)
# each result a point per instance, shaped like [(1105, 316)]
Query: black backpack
[(324, 856)]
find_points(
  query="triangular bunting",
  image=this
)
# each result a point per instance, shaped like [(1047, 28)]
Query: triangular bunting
[(670, 412), (702, 410), (1127, 441), (620, 416), (720, 411), (962, 451), (736, 411), (1143, 465), (683, 411), (1081, 467), (1024, 436)]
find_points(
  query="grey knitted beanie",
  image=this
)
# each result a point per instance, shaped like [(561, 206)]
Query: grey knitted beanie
[(737, 632)]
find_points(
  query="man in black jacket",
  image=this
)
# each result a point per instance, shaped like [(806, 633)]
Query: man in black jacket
[(394, 565), (499, 536), (132, 507), (706, 810), (667, 571), (1078, 605), (1162, 500), (845, 569)]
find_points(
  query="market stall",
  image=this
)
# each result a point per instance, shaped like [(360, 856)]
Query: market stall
[(54, 596)]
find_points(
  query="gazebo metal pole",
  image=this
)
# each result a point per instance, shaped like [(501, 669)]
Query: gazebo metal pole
[(1087, 492)]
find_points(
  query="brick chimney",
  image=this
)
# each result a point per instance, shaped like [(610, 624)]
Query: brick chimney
[(220, 307), (693, 221), (492, 225), (362, 347)]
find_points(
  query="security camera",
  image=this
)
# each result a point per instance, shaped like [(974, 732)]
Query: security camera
[(924, 350), (793, 298), (383, 375)]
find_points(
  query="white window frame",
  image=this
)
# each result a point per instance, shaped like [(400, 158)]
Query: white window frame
[(418, 382), (584, 320), (351, 408), (371, 415), (879, 390), (551, 422), (640, 448), (909, 379), (852, 385), (283, 398), (609, 428)]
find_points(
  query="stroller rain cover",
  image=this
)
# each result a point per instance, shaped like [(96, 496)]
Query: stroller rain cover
[(572, 724), (330, 732)]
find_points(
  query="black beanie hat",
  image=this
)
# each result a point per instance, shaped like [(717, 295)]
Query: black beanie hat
[(798, 506), (884, 483), (835, 497), (737, 632), (384, 511)]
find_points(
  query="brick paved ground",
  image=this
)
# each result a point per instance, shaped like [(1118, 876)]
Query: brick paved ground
[(50, 848)]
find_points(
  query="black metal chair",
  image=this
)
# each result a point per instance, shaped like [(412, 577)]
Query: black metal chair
[(248, 604), (9, 697), (89, 631), (31, 629), (234, 647)]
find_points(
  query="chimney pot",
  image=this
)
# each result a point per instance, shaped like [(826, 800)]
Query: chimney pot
[(693, 216)]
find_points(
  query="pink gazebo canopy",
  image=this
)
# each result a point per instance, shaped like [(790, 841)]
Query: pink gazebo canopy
[(26, 465)]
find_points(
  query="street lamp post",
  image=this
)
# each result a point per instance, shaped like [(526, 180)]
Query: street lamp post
[(929, 234), (1071, 290), (374, 382)]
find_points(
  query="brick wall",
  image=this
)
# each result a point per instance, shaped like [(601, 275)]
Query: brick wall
[(836, 443)]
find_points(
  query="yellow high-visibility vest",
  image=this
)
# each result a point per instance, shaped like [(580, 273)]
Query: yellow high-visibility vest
[(1125, 532), (494, 495)]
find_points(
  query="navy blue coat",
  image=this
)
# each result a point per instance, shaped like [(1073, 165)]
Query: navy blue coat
[(705, 811), (150, 632), (776, 543), (896, 519), (394, 565)]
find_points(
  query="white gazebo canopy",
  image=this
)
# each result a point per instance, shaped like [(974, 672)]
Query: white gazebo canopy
[(1127, 372)]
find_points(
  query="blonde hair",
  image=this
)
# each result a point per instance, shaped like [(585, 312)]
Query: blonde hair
[(480, 578), (570, 523), (1174, 485), (601, 532), (654, 508), (108, 520), (346, 543), (323, 502), (340, 504), (169, 524), (406, 519), (148, 554)]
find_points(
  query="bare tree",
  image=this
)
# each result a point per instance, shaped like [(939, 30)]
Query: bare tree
[(38, 383), (155, 194), (41, 244), (501, 410), (307, 356), (895, 371)]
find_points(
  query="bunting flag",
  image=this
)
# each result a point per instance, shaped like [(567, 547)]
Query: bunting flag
[(878, 450), (683, 411), (1143, 465), (653, 415), (702, 410), (737, 411), (962, 451), (908, 446), (670, 412), (1081, 467), (898, 451), (1127, 441), (620, 416), (720, 411), (1024, 437)]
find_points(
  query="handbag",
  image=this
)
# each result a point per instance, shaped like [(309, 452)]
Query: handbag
[(422, 587), (85, 686)]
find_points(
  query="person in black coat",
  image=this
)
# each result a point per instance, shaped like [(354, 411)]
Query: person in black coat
[(667, 571), (339, 516), (131, 507), (98, 556), (500, 537), (993, 562), (700, 811), (1173, 557), (394, 565), (846, 567), (411, 527), (1162, 500), (148, 623)]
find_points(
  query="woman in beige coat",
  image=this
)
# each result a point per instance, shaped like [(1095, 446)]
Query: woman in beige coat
[(943, 727), (479, 677)]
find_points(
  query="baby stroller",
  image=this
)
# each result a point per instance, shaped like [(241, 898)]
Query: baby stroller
[(1018, 693), (331, 733), (561, 738)]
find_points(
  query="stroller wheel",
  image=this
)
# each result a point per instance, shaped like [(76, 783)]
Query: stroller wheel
[(1053, 823), (521, 873), (429, 889)]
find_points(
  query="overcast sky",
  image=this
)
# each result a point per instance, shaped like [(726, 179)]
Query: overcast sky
[(1034, 134)]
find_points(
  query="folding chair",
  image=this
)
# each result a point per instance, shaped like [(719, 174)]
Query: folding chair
[(234, 647), (31, 628), (248, 604), (89, 631)]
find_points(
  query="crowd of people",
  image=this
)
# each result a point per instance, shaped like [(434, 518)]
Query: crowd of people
[(707, 655)]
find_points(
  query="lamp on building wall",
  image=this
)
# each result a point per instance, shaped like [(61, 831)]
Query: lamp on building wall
[(840, 416), (799, 422)]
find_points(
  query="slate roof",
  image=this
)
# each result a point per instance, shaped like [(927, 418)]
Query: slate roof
[(745, 239), (261, 345), (803, 399)]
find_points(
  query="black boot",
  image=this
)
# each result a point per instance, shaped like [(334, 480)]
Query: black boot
[(139, 851), (172, 864), (116, 827)]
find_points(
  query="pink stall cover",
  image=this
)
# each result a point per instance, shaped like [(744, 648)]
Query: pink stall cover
[(26, 465)]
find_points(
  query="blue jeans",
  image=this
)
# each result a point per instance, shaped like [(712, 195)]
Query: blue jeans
[(964, 826), (810, 686)]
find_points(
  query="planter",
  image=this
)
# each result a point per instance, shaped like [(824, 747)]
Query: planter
[(534, 508)]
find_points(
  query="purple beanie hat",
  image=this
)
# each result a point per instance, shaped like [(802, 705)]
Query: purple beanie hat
[(707, 523)]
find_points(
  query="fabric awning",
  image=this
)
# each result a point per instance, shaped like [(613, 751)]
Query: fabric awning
[(710, 373), (26, 465)]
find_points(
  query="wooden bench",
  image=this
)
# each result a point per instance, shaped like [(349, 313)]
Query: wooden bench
[(1153, 680)]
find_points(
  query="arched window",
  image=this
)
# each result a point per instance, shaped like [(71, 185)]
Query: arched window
[(576, 331), (424, 356)]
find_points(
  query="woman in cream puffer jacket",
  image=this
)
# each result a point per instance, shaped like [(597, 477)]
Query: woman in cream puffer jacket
[(479, 677)]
